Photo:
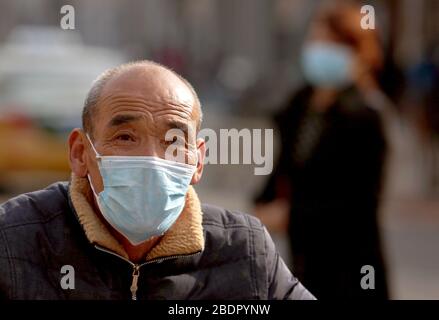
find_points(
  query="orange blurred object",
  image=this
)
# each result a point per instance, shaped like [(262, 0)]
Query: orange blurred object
[(26, 147)]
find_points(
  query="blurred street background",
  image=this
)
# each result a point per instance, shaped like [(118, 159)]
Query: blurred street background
[(242, 57)]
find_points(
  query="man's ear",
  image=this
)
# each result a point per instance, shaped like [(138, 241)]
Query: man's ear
[(77, 153), (201, 154)]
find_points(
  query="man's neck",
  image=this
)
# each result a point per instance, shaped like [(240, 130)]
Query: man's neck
[(136, 253)]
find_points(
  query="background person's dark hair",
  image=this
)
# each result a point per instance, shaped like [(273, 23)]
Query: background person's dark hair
[(342, 19)]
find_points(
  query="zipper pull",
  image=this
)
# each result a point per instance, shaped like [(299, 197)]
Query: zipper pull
[(133, 287)]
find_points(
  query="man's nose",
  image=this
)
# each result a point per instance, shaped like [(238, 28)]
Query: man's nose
[(151, 148)]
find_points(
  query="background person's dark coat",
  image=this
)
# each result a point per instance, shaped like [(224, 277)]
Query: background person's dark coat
[(334, 194)]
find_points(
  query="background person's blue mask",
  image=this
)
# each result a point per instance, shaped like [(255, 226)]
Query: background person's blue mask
[(143, 196), (327, 64)]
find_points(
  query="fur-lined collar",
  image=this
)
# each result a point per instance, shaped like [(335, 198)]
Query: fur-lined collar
[(184, 237)]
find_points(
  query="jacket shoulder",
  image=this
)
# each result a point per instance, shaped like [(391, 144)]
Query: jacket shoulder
[(34, 207), (228, 219)]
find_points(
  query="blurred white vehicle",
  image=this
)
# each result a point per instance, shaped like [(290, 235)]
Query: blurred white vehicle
[(45, 73)]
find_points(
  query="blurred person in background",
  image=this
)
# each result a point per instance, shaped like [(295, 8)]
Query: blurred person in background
[(423, 97), (329, 173)]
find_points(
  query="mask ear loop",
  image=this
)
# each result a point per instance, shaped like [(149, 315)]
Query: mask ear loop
[(98, 156), (94, 193), (91, 185), (88, 175)]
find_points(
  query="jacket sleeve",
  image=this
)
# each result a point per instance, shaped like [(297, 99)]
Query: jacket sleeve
[(282, 284), (5, 269)]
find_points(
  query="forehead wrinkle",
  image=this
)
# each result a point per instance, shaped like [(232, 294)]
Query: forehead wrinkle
[(166, 113), (124, 109), (138, 97), (154, 104), (162, 110), (128, 101)]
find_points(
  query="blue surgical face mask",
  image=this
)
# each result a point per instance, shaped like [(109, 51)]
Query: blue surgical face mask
[(143, 196), (327, 65)]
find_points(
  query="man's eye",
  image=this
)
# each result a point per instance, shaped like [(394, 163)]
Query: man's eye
[(177, 140), (124, 137)]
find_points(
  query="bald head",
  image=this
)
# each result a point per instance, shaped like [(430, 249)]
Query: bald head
[(143, 79)]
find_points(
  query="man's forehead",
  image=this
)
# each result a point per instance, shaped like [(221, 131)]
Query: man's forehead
[(164, 122), (152, 83)]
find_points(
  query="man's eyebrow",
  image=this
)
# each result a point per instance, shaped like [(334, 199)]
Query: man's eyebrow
[(121, 119), (174, 124)]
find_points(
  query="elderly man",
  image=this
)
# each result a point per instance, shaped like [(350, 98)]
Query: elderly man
[(129, 225)]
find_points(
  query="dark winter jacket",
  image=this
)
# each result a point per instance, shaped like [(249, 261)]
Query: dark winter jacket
[(209, 253)]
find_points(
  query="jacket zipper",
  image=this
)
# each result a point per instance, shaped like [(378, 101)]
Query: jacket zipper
[(136, 267), (133, 287)]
